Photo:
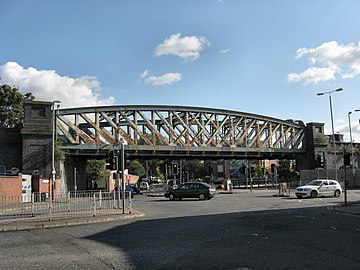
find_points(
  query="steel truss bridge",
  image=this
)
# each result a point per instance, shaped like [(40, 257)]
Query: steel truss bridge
[(178, 131)]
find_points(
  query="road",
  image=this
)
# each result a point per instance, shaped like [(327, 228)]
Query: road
[(245, 230)]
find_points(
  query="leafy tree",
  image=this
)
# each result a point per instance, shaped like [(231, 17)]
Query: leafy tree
[(258, 171), (12, 106), (155, 167), (195, 168), (321, 138), (96, 171), (136, 168), (60, 154), (284, 170)]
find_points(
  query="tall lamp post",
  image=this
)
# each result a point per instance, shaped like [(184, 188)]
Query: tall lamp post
[(123, 175), (53, 171), (352, 145), (332, 125)]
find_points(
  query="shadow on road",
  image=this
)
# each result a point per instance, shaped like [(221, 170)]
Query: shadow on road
[(276, 239)]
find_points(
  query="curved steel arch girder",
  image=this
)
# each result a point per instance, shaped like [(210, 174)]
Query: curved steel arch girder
[(174, 128)]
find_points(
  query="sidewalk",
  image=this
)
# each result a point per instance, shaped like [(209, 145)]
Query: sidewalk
[(23, 225), (352, 208)]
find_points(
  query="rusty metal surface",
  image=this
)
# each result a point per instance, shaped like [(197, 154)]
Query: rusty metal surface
[(157, 130)]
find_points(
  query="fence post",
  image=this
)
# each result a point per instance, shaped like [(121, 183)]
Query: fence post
[(100, 199), (50, 208), (94, 204), (129, 206), (68, 201), (33, 204), (114, 200)]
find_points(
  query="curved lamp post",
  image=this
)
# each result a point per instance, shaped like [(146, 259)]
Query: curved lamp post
[(332, 125)]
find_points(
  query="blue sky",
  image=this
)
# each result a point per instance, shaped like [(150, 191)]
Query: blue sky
[(263, 57)]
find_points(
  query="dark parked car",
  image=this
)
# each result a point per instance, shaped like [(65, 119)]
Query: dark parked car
[(191, 190)]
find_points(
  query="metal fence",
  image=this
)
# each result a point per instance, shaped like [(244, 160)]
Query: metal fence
[(40, 206)]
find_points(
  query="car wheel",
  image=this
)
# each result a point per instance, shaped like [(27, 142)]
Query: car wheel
[(202, 196), (171, 197), (313, 194), (337, 193)]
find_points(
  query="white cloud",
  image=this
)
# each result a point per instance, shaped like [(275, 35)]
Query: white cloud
[(47, 85), (224, 51), (188, 47), (166, 79), (343, 128), (343, 60), (313, 75), (144, 74)]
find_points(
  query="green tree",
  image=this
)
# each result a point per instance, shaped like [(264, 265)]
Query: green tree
[(12, 106), (258, 171), (155, 167), (60, 154), (136, 168), (284, 170), (195, 168), (96, 171)]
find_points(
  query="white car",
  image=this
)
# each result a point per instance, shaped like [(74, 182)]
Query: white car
[(319, 187)]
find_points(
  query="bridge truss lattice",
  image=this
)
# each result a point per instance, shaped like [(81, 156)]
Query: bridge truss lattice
[(151, 130)]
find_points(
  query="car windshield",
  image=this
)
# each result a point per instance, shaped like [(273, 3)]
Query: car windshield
[(314, 183)]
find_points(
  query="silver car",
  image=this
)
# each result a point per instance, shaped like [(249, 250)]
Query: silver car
[(319, 187)]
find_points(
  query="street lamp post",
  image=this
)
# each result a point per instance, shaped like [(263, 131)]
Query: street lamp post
[(122, 167), (352, 146), (332, 126), (53, 171)]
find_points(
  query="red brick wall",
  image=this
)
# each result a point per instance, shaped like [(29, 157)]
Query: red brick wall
[(129, 179), (45, 185), (10, 186)]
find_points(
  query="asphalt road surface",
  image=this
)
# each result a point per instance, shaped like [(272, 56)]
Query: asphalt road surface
[(245, 230)]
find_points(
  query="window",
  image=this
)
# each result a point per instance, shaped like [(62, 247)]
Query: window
[(2, 169), (38, 111)]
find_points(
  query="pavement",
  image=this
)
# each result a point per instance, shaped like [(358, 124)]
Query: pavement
[(43, 224), (352, 208)]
